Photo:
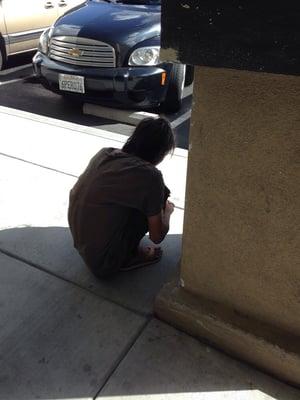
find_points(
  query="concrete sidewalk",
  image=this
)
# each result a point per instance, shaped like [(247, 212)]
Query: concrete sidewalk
[(66, 335)]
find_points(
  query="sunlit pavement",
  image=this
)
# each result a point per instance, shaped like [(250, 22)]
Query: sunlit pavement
[(65, 335)]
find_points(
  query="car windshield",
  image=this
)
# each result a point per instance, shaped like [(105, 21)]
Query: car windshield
[(148, 2)]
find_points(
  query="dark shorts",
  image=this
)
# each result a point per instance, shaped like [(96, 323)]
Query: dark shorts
[(120, 251)]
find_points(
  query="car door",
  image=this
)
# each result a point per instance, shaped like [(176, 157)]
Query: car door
[(64, 5), (25, 21)]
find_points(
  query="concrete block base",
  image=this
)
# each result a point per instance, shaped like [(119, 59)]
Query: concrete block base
[(265, 346)]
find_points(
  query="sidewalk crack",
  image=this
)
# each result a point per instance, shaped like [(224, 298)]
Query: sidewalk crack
[(99, 296), (123, 356)]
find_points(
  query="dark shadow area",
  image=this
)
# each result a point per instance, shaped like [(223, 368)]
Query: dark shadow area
[(36, 99), (13, 75), (60, 338), (51, 249), (19, 59)]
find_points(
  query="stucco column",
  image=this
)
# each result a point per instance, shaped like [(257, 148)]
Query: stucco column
[(240, 275), (239, 286)]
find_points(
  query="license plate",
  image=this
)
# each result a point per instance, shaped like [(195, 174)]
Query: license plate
[(71, 83)]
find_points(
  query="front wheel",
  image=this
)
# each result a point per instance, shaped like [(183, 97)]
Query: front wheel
[(174, 94), (1, 57), (189, 75)]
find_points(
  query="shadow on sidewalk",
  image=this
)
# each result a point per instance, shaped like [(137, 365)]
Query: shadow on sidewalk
[(60, 340), (51, 249)]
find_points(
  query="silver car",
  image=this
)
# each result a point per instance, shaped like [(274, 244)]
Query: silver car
[(23, 21)]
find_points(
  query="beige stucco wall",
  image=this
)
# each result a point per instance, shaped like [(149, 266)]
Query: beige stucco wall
[(241, 235)]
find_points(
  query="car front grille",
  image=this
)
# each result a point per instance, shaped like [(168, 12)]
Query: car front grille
[(82, 51)]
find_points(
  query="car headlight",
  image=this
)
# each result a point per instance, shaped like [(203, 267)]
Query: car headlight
[(44, 42), (145, 56)]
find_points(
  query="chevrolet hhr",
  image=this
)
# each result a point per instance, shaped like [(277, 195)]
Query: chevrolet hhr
[(108, 52)]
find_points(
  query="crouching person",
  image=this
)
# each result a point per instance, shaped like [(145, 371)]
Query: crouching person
[(119, 198)]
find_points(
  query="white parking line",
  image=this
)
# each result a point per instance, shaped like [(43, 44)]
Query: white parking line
[(180, 120), (15, 69), (15, 80)]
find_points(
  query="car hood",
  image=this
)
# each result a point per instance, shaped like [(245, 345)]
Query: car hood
[(113, 23)]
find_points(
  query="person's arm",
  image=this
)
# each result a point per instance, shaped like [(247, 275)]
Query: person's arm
[(159, 224)]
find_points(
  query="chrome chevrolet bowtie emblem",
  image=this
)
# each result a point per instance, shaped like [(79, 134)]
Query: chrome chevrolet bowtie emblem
[(75, 52)]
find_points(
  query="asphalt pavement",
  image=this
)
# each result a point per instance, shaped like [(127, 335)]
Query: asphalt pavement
[(19, 89)]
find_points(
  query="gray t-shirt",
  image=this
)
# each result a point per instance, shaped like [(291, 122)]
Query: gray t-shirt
[(112, 185)]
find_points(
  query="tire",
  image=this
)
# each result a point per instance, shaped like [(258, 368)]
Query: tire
[(174, 94), (189, 75), (2, 56)]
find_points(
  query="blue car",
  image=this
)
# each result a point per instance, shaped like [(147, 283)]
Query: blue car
[(108, 52)]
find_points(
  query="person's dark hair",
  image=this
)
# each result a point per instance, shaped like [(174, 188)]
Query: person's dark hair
[(151, 140)]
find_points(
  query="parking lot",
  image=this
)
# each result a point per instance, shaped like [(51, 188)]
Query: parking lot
[(19, 89)]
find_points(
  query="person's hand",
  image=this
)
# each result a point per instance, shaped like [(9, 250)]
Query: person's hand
[(169, 209)]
